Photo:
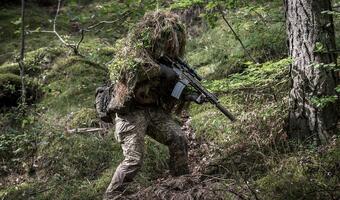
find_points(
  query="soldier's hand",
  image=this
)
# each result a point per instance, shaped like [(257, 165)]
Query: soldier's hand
[(197, 98), (201, 99)]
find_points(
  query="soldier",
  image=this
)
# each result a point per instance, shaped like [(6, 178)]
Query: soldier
[(142, 102)]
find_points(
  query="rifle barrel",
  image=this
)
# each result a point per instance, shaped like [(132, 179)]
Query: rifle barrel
[(225, 112)]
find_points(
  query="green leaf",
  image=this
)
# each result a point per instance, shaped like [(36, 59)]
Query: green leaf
[(322, 102), (337, 89)]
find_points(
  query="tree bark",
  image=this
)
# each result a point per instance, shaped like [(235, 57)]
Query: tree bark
[(308, 29)]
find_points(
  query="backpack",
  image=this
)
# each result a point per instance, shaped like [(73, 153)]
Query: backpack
[(104, 94)]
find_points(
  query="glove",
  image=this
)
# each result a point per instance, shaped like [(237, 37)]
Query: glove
[(201, 99), (197, 98)]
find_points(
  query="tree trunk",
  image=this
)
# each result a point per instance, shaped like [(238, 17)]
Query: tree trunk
[(310, 38), (22, 55)]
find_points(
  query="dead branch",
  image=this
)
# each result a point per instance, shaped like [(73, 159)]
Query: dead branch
[(73, 46), (81, 39), (84, 130), (124, 14), (235, 34)]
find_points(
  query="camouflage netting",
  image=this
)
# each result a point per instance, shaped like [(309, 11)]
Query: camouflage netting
[(158, 34)]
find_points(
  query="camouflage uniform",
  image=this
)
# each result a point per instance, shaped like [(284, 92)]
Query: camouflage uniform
[(142, 97), (130, 131)]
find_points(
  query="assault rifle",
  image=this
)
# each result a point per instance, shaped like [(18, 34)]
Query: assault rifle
[(188, 76)]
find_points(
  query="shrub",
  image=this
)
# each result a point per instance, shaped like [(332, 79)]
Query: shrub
[(10, 85)]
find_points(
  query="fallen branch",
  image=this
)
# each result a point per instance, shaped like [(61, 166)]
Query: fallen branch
[(84, 130), (235, 34)]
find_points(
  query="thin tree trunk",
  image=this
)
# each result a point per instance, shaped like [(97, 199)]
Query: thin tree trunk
[(22, 54), (236, 36), (308, 29)]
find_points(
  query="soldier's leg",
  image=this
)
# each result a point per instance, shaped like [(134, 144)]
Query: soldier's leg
[(130, 132), (165, 130)]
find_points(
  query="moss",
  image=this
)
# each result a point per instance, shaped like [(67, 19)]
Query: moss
[(272, 74), (20, 192), (38, 60), (210, 123), (78, 156), (300, 176), (9, 79), (65, 91), (85, 117), (10, 68), (35, 61), (290, 178), (81, 166)]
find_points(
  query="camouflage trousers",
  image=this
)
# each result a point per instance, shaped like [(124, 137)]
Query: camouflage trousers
[(130, 132)]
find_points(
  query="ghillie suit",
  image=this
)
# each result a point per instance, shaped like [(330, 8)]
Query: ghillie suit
[(142, 99), (158, 34)]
